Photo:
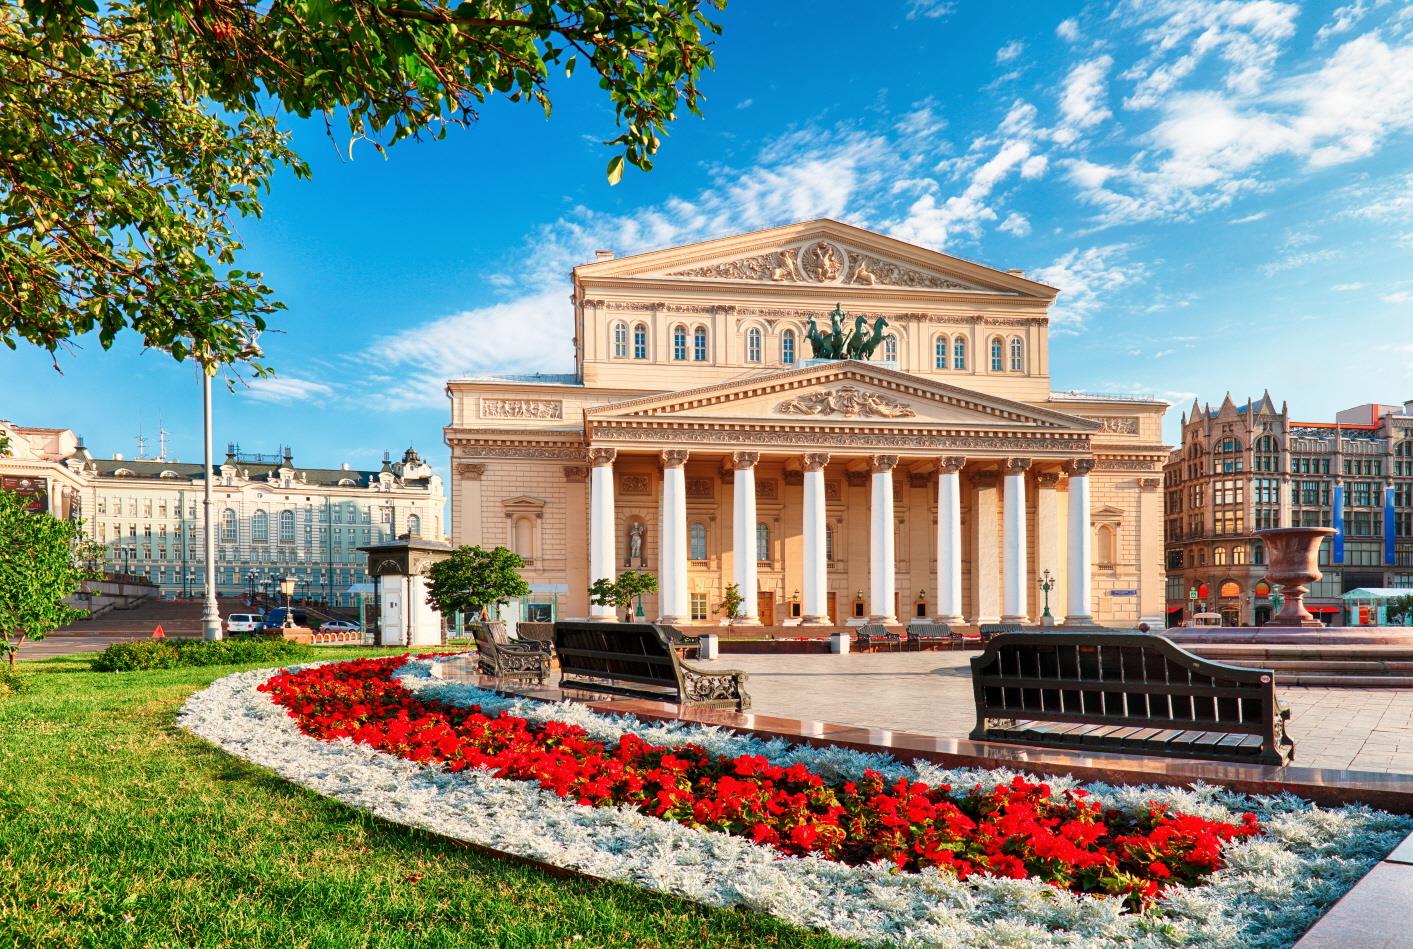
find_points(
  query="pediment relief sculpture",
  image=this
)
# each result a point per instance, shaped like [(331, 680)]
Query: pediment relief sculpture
[(848, 401), (823, 262)]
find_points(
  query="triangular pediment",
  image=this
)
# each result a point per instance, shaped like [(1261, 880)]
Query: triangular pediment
[(819, 254), (844, 392)]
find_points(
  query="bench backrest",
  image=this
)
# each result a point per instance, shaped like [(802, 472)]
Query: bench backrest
[(929, 630), (535, 632), (1133, 679), (874, 631), (485, 635), (626, 652)]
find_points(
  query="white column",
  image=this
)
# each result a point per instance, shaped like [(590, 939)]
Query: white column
[(601, 525), (672, 574), (882, 562), (1049, 535), (949, 540), (1081, 539), (816, 606), (1017, 580), (743, 533), (986, 555)]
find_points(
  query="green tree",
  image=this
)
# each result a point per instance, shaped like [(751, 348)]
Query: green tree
[(731, 602), (621, 593), (473, 578), (135, 133), (42, 561), (1397, 608)]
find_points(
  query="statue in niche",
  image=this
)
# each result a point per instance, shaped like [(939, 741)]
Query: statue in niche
[(636, 535)]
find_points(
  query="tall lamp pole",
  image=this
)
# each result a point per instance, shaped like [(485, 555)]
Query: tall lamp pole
[(211, 615)]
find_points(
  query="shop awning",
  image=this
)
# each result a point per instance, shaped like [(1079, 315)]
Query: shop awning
[(1319, 608)]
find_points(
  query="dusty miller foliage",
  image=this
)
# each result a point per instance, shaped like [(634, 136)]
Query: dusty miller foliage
[(135, 134)]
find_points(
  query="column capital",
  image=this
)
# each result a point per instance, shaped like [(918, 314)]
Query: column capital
[(880, 463), (674, 457), (1047, 479), (602, 457), (576, 473), (951, 464), (1079, 467), (742, 460), (1150, 484), (815, 460), (1015, 466), (469, 471)]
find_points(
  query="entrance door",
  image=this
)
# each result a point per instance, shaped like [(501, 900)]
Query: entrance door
[(765, 608), (831, 602)]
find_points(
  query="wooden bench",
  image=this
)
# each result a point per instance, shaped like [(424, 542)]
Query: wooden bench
[(499, 655), (991, 630), (1125, 692), (643, 660), (922, 635), (873, 635)]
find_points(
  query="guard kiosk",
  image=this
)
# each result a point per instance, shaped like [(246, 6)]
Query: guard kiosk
[(398, 570)]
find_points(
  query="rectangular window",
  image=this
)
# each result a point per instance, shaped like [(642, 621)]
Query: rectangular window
[(699, 606), (941, 355)]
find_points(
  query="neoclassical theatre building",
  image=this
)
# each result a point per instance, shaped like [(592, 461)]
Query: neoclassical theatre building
[(698, 439)]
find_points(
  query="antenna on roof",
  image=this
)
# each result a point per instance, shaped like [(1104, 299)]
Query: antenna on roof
[(141, 444), (162, 434)]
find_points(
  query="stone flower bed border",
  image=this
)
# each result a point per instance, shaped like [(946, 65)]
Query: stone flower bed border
[(1272, 889)]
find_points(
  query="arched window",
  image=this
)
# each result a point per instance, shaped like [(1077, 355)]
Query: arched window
[(1017, 355), (939, 359), (959, 353), (890, 348), (696, 542), (1238, 554), (259, 527), (640, 341), (679, 343), (620, 340), (787, 347), (524, 537), (1229, 590), (1104, 549), (229, 533), (286, 527), (414, 525), (763, 543), (1219, 557), (699, 344), (998, 355), (753, 345)]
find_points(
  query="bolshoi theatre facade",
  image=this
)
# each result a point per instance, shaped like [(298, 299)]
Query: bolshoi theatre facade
[(939, 478)]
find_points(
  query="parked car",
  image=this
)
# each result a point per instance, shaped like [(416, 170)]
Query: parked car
[(243, 623), (275, 619), (340, 626)]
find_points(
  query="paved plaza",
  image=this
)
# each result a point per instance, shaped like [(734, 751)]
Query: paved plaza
[(931, 693)]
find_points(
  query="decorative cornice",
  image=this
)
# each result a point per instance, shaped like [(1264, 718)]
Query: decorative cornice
[(707, 310), (910, 443)]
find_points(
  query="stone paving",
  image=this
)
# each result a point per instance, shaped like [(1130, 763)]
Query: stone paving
[(930, 693)]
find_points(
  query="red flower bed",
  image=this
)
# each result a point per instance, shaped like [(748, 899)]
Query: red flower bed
[(1016, 830)]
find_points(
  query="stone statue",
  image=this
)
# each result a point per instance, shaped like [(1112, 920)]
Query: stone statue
[(635, 543)]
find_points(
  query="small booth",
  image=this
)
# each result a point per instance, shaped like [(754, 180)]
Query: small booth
[(397, 569), (1378, 606)]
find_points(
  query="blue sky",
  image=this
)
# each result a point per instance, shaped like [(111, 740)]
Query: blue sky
[(1223, 191)]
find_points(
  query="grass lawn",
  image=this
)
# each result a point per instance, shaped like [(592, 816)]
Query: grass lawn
[(118, 829)]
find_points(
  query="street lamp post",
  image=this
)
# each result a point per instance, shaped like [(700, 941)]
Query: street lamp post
[(211, 615), (287, 588), (1047, 583)]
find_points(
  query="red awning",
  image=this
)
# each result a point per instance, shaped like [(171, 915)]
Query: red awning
[(1316, 608)]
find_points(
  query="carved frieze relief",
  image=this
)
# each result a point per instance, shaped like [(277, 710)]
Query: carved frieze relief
[(833, 491), (1115, 424), (522, 408), (634, 484), (883, 439), (699, 488), (848, 401), (767, 489), (826, 262)]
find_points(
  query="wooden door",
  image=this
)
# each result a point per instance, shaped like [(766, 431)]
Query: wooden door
[(765, 608), (832, 602)]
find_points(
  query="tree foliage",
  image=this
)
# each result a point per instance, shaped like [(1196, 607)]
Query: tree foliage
[(1397, 608), (43, 560), (621, 592), (135, 133), (731, 602), (473, 578)]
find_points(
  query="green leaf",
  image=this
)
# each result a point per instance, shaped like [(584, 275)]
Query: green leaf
[(615, 169)]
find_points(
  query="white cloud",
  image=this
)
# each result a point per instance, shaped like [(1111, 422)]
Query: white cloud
[(1345, 18), (1084, 278), (1298, 261), (1391, 200), (1083, 98), (1068, 30), (1015, 223), (286, 389), (1010, 51), (930, 9), (1347, 287), (745, 103), (1249, 218), (1401, 296), (931, 222)]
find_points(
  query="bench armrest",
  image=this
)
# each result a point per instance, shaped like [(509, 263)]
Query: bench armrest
[(726, 685)]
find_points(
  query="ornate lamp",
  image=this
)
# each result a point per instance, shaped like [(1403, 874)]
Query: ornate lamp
[(287, 588), (1047, 583)]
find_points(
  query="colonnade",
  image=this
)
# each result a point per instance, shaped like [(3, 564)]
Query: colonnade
[(674, 606)]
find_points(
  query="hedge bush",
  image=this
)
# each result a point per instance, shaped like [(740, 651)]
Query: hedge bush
[(175, 653)]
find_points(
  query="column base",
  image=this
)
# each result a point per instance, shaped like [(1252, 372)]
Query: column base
[(955, 619), (673, 620), (746, 621), (822, 620), (1082, 620), (884, 620), (603, 618), (1023, 620)]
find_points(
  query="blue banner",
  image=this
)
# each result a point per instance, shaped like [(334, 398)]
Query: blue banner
[(1388, 524), (1338, 524)]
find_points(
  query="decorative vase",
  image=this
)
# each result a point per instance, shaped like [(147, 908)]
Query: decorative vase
[(1293, 561)]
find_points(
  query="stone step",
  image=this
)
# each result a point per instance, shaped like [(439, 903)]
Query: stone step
[(1244, 653)]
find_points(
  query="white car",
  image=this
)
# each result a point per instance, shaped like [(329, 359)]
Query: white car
[(243, 623), (340, 626)]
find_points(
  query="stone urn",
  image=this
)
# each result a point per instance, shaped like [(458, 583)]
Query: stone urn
[(1293, 561)]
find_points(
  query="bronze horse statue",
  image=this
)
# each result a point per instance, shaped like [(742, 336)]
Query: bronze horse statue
[(836, 344)]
